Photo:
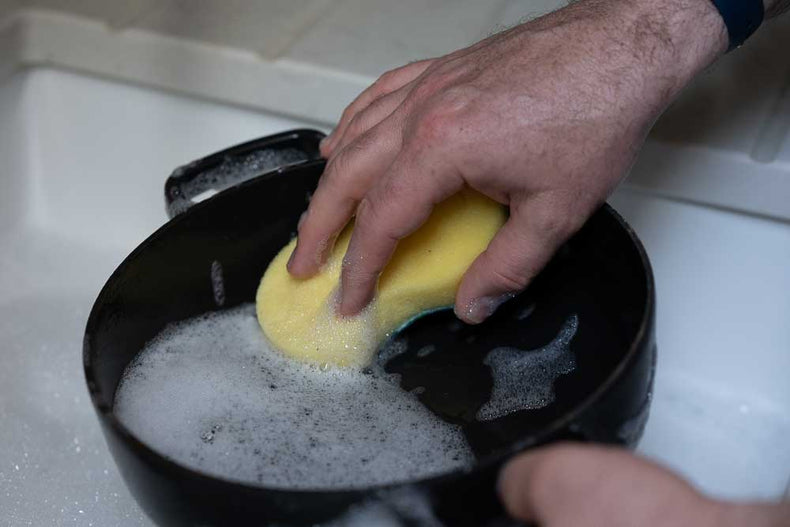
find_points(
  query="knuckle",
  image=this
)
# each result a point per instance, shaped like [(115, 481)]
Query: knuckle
[(554, 222), (377, 107), (366, 212), (452, 70), (358, 124), (370, 221), (434, 126), (394, 187), (356, 273), (339, 174), (426, 88), (387, 79), (444, 118), (349, 112), (509, 277)]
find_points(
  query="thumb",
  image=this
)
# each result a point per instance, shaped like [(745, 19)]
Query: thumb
[(521, 248), (573, 484)]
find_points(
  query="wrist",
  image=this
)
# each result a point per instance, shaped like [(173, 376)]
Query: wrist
[(685, 37), (650, 49)]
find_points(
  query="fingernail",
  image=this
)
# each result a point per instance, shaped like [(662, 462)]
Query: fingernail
[(481, 308)]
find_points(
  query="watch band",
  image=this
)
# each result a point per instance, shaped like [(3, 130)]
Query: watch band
[(742, 18)]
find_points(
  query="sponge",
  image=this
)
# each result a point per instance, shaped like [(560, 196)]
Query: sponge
[(298, 316)]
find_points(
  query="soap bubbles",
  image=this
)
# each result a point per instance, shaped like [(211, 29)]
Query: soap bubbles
[(524, 379), (211, 394)]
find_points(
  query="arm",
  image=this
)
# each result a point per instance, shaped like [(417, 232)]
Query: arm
[(546, 117), (775, 7)]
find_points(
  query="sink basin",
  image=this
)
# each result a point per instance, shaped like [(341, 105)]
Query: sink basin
[(83, 164)]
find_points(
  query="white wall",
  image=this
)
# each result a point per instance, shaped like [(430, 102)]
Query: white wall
[(15, 151)]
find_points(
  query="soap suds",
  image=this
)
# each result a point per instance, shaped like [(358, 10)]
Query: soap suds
[(231, 171), (392, 349), (524, 379), (399, 507), (211, 394)]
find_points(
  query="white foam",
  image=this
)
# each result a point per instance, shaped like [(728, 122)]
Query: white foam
[(398, 507), (524, 379), (232, 171), (210, 393)]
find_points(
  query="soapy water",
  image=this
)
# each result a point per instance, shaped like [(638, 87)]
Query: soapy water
[(211, 394), (232, 171), (524, 379)]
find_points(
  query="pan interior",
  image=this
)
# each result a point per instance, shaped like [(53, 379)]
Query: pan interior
[(211, 258)]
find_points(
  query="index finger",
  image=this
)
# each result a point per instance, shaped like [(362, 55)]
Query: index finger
[(387, 83), (395, 207), (345, 181)]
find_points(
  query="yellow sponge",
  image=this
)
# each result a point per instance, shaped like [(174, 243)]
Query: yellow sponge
[(298, 316)]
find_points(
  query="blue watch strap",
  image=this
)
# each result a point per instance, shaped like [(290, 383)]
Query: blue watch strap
[(742, 18)]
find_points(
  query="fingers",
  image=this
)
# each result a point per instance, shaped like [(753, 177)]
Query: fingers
[(346, 179), (530, 484), (394, 208), (570, 484), (377, 111), (534, 231), (387, 83)]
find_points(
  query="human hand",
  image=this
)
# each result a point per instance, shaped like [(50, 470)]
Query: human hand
[(589, 486), (546, 118)]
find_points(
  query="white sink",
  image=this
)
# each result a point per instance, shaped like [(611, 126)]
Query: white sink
[(82, 165)]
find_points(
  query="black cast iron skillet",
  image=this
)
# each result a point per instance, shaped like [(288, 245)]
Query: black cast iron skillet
[(212, 256)]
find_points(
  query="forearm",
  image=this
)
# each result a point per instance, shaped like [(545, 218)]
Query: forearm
[(670, 41), (687, 36), (648, 50), (775, 7)]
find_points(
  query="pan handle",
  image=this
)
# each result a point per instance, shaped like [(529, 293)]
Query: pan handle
[(201, 179)]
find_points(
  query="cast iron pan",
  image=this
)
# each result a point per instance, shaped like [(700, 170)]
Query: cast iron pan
[(212, 256)]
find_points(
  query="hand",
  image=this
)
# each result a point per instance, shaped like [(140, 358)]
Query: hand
[(572, 485), (546, 118)]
